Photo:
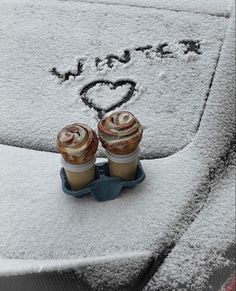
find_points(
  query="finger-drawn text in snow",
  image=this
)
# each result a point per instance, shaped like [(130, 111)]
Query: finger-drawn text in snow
[(106, 94), (162, 50)]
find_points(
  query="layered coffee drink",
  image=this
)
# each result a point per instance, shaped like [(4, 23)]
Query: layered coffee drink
[(120, 134), (78, 143)]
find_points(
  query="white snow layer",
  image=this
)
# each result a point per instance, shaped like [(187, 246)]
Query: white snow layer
[(212, 7), (41, 227), (97, 270), (202, 249), (39, 222), (170, 92)]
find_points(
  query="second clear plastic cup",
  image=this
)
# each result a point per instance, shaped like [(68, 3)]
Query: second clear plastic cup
[(123, 166)]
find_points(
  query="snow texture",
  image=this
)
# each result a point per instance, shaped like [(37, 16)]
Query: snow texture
[(202, 249), (41, 227), (100, 95), (39, 222), (63, 38), (42, 223), (125, 268), (212, 7)]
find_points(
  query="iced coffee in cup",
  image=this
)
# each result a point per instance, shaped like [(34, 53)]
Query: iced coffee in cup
[(120, 134), (77, 143)]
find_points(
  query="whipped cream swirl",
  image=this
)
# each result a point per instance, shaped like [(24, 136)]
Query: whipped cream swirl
[(120, 132), (77, 143)]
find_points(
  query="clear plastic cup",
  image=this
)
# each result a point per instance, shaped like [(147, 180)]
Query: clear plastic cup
[(123, 166), (79, 175)]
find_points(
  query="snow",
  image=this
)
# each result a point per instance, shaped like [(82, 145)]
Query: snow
[(113, 243), (42, 223), (129, 264), (202, 250), (212, 7), (39, 222), (52, 225), (125, 268), (35, 103), (106, 96)]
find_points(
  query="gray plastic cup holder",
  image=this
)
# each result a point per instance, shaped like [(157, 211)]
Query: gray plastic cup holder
[(103, 187)]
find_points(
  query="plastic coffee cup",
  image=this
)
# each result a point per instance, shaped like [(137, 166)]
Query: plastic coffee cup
[(79, 175), (123, 166)]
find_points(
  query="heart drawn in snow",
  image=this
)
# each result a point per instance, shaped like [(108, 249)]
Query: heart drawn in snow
[(105, 95)]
